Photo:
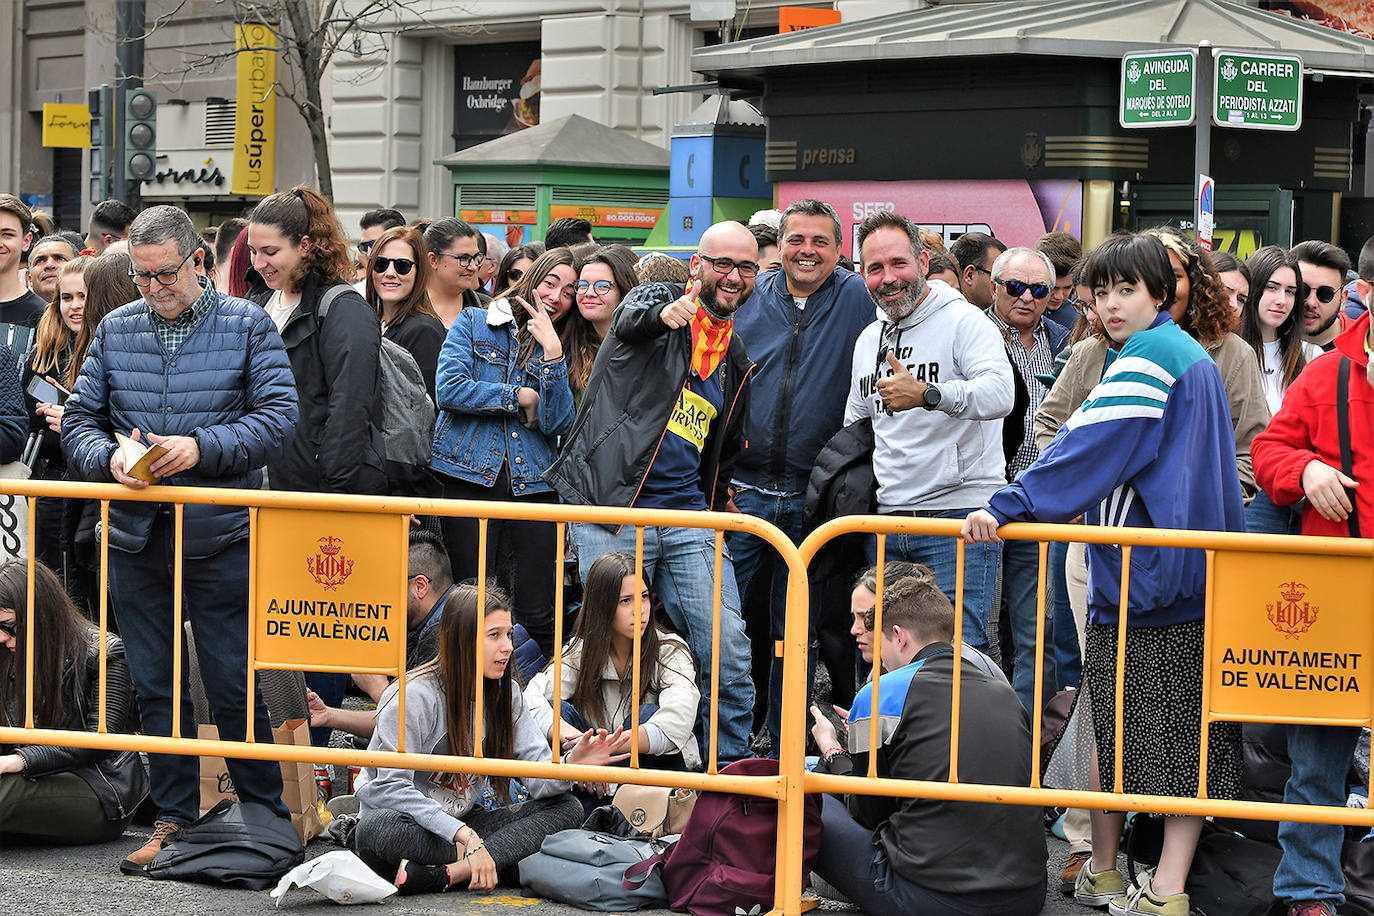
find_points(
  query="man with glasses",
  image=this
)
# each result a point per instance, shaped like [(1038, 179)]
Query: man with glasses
[(932, 374), (660, 425), (1324, 268), (374, 223), (1023, 281), (800, 329), (206, 377), (975, 252)]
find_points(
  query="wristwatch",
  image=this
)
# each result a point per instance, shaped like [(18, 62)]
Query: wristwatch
[(931, 399)]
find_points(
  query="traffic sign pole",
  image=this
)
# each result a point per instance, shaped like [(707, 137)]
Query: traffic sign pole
[(1202, 130)]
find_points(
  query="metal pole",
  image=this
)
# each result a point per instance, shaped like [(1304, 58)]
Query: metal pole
[(1202, 125), (129, 27)]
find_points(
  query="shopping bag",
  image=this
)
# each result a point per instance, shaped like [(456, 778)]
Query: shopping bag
[(298, 779)]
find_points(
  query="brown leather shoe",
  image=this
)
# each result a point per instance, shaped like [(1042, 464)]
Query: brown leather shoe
[(1069, 875), (164, 833)]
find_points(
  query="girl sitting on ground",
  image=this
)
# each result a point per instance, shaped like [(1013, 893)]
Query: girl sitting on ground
[(66, 795), (597, 682), (427, 831)]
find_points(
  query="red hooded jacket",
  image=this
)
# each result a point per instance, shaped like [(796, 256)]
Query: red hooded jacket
[(1305, 428)]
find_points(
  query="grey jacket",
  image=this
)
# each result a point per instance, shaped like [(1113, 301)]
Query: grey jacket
[(435, 800)]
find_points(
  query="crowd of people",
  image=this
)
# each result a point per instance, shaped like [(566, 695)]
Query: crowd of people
[(767, 374)]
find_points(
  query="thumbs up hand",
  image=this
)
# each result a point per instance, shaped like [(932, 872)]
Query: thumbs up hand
[(901, 391)]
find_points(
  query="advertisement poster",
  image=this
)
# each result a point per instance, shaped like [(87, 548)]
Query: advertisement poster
[(255, 112), (1015, 211), (497, 90)]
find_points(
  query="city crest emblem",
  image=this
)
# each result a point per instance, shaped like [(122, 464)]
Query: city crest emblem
[(330, 567), (1292, 616)]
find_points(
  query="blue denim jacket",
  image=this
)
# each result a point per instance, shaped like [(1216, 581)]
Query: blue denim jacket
[(476, 390)]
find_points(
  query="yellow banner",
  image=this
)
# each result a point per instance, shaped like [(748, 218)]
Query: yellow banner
[(330, 589), (255, 112), (66, 125), (1292, 636)]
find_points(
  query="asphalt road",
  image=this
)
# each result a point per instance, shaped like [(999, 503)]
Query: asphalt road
[(82, 880)]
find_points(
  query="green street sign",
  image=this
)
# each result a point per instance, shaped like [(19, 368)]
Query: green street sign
[(1157, 88), (1257, 91)]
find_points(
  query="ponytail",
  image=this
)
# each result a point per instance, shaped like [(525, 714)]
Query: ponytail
[(302, 212)]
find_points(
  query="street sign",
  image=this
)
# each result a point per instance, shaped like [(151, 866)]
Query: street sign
[(1257, 91), (1157, 88), (1206, 210)]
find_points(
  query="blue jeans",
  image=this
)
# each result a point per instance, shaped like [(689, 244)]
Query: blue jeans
[(680, 562), (1020, 581), (1263, 516), (215, 600), (757, 565), (856, 865), (1068, 660), (1311, 865), (980, 571)]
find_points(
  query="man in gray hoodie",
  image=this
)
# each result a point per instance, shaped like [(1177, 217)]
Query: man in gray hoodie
[(932, 374)]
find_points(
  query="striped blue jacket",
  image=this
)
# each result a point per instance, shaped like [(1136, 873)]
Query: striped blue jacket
[(1151, 447)]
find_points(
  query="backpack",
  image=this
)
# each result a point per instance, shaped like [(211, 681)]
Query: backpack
[(236, 844), (726, 859), (402, 412), (586, 868)]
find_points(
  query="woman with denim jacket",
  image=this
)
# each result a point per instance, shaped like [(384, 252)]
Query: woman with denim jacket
[(62, 795), (503, 398)]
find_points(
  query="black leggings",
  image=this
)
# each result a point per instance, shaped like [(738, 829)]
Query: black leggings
[(385, 836)]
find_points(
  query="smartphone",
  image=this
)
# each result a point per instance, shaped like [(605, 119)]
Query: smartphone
[(45, 392)]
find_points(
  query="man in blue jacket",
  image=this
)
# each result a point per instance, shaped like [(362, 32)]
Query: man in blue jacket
[(800, 329), (205, 376)]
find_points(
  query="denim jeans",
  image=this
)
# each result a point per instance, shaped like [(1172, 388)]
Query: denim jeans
[(680, 563), (1020, 582), (759, 567), (1263, 516), (856, 865), (1068, 658), (215, 600), (1311, 865), (980, 571)]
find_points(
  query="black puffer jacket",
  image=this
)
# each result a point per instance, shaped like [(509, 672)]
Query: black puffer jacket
[(634, 386), (336, 450), (117, 777)]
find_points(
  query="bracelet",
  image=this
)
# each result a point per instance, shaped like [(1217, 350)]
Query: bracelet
[(471, 852)]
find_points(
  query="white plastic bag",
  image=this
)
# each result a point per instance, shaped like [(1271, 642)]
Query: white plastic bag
[(339, 875)]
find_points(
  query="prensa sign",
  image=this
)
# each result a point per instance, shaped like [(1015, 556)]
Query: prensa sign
[(1291, 636)]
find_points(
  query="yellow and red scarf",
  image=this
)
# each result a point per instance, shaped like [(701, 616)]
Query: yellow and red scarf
[(710, 340)]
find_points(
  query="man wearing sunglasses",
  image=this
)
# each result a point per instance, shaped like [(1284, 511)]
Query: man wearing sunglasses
[(1023, 287), (1323, 267), (660, 425)]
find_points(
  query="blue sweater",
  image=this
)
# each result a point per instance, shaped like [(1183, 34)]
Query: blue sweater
[(1151, 447)]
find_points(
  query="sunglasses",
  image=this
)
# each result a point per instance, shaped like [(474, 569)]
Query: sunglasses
[(365, 247), (1324, 293), (7, 627), (403, 265), (600, 287), (1016, 289), (514, 274)]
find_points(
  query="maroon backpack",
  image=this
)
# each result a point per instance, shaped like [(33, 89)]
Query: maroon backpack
[(726, 859)]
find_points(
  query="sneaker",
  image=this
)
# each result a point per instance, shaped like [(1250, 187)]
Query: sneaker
[(1311, 908), (1068, 878), (1143, 901), (1097, 888), (164, 832)]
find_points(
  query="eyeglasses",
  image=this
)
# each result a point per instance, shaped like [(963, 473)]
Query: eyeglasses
[(403, 265), (464, 260), (981, 269), (7, 627), (163, 277), (600, 287), (366, 246), (1324, 293), (723, 266), (1016, 289), (514, 274)]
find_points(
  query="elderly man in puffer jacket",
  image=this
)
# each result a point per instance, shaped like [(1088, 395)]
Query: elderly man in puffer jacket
[(205, 376)]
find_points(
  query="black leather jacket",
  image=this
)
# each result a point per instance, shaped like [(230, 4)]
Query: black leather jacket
[(117, 777), (635, 381)]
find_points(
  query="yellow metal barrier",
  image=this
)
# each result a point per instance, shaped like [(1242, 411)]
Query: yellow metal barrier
[(1220, 696)]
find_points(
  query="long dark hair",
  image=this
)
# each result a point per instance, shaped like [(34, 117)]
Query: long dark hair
[(594, 631), (458, 640), (417, 303), (107, 288), (1262, 265), (532, 251), (61, 639), (303, 211), (579, 337), (524, 288)]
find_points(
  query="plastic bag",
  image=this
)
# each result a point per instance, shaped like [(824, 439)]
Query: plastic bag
[(339, 875)]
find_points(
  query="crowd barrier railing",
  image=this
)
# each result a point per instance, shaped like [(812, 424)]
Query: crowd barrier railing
[(310, 545)]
